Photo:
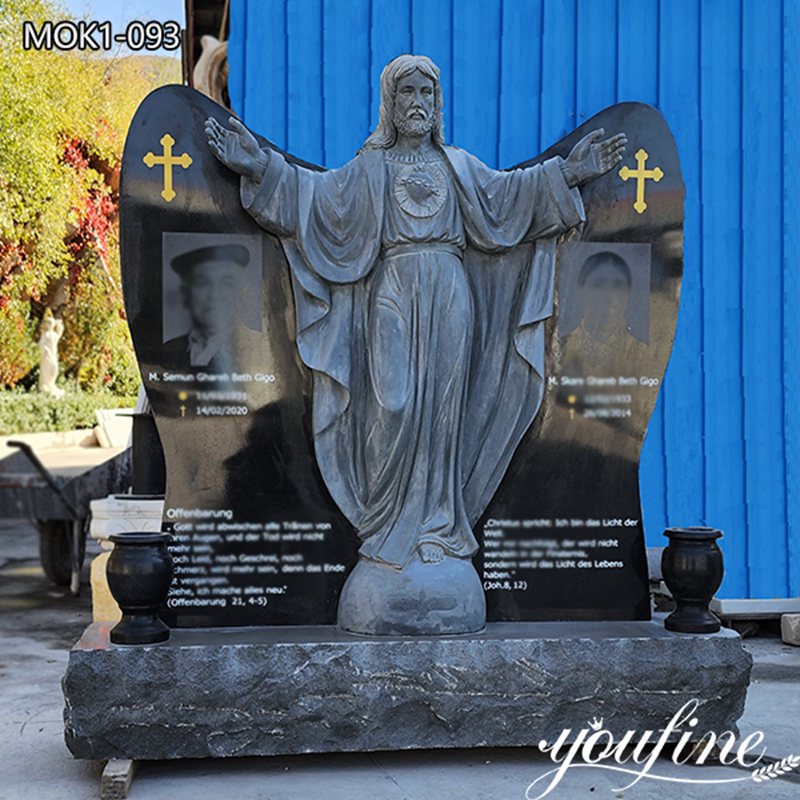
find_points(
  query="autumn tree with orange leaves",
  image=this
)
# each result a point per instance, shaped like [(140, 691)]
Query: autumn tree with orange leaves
[(63, 120)]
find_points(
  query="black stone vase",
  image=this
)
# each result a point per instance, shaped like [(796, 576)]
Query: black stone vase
[(692, 568), (139, 572)]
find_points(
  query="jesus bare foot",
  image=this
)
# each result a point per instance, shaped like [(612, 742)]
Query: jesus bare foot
[(431, 553)]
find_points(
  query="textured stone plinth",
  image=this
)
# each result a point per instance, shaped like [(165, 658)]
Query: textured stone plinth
[(265, 691)]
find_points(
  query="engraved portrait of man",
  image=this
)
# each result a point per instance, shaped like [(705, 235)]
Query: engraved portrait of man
[(210, 285), (604, 290)]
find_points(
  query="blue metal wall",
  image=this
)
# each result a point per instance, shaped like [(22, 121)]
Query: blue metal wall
[(723, 447)]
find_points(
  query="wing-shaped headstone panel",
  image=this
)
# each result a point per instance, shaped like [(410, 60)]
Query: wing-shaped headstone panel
[(257, 539), (563, 536)]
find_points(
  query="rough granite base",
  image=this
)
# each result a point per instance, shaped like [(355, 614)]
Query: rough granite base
[(270, 691)]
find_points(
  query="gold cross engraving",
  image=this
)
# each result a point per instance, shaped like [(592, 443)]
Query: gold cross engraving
[(168, 160), (641, 174)]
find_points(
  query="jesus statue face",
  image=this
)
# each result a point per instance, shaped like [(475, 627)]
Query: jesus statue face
[(414, 105)]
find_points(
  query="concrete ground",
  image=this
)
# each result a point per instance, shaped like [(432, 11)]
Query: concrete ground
[(39, 623)]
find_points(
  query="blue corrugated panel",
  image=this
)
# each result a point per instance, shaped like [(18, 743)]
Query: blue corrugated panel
[(791, 284), (305, 111), (265, 68), (723, 446), (476, 71), (684, 388), (558, 71), (596, 51), (521, 62), (762, 301), (721, 236), (345, 77), (635, 64)]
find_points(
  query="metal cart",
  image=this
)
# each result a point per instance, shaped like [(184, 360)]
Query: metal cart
[(53, 486)]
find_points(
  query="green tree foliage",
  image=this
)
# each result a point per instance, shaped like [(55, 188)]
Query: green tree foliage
[(63, 120)]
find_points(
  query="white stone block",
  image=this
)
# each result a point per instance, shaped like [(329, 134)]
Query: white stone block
[(790, 629), (119, 513)]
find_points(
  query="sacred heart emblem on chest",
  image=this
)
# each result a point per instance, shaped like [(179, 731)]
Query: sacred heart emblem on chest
[(420, 189)]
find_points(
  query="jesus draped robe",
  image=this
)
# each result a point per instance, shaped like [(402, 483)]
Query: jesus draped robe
[(421, 290)]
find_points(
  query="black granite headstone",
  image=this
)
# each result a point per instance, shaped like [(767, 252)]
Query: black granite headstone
[(563, 536), (257, 538)]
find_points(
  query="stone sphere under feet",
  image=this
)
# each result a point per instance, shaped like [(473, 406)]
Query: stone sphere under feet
[(424, 598)]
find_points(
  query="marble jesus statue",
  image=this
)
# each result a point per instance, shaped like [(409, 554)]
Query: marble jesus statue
[(422, 279)]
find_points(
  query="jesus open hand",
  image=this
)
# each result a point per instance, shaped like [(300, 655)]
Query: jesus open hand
[(237, 149), (591, 158)]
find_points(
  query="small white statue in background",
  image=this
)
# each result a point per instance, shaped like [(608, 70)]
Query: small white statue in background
[(51, 332)]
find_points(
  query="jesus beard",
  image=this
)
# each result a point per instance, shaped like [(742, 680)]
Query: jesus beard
[(412, 127)]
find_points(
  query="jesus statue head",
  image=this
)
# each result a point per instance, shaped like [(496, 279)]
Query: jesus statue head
[(411, 103)]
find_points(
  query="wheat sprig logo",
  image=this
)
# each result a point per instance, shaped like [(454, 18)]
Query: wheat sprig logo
[(777, 769)]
